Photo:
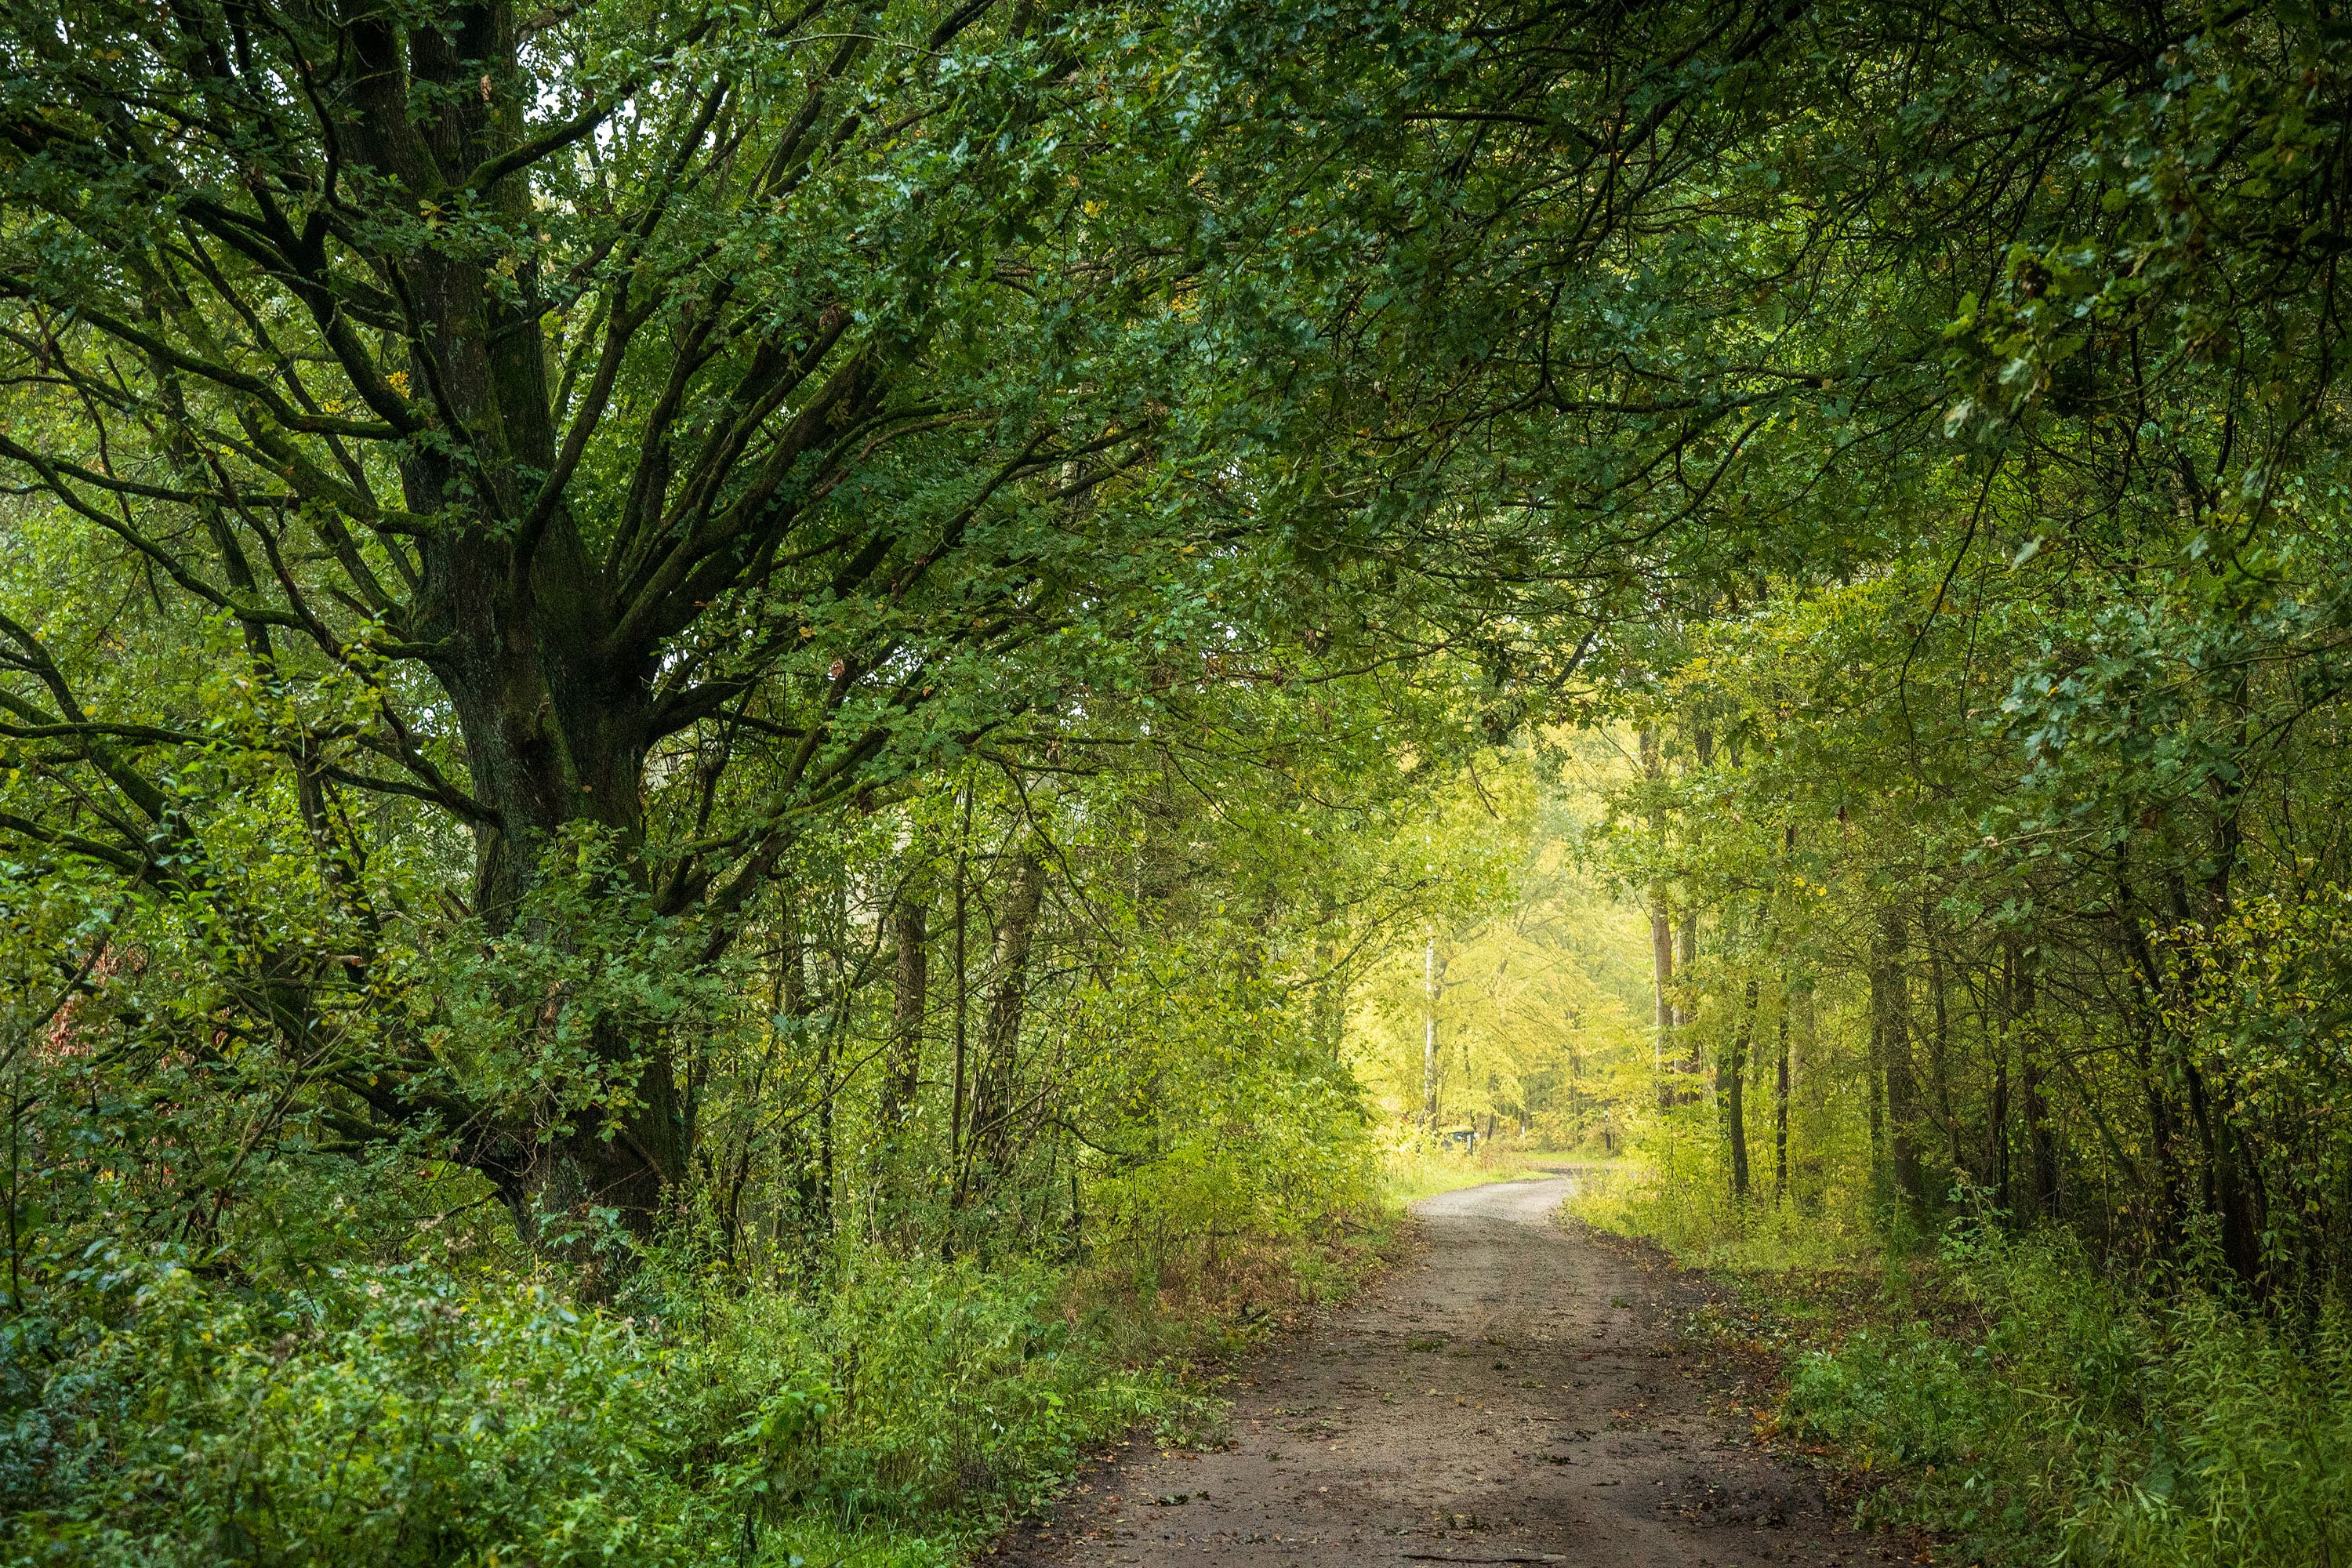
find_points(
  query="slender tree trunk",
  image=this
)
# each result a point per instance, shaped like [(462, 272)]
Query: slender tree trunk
[(825, 1182), (993, 1091), (1780, 1109), (1808, 1076), (1330, 1005), (2229, 1195), (827, 1064), (2234, 1189), (1689, 1065), (2041, 1138), (2004, 1046), (962, 1004), (1693, 1066), (1998, 1116), (1891, 996), (2144, 1023), (2239, 1198), (1662, 935), (1939, 1044), (1781, 1058), (1730, 1092), (902, 1067), (1662, 978), (1433, 989), (910, 997), (803, 1151), (1874, 1071)]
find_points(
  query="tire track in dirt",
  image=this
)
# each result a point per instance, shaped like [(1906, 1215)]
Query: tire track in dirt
[(1516, 1395)]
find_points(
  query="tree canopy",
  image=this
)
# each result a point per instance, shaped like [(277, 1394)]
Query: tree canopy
[(649, 642)]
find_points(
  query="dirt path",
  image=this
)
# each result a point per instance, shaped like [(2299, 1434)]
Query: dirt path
[(1514, 1396)]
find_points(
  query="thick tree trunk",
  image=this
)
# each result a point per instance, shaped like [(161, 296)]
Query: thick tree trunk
[(555, 739), (553, 703), (556, 730), (535, 552), (626, 1162)]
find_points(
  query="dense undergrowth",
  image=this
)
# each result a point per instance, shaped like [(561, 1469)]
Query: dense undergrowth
[(398, 1416), (2007, 1394)]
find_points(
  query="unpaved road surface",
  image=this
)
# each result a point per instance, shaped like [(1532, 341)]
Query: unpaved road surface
[(1515, 1396)]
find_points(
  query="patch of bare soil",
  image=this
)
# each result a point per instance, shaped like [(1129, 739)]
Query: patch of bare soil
[(1516, 1395)]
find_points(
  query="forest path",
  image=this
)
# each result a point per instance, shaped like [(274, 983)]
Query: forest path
[(1515, 1394)]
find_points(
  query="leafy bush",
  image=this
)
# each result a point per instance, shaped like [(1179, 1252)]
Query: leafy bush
[(2089, 1423), (394, 1416), (389, 1417)]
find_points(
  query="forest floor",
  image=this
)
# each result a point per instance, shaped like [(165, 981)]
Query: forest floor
[(1521, 1391)]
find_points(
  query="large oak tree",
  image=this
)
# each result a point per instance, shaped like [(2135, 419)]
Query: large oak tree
[(604, 435)]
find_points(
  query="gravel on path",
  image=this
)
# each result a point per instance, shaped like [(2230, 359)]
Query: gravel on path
[(1516, 1395)]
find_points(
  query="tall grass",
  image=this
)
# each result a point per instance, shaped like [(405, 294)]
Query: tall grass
[(1635, 1199), (2082, 1420), (2006, 1393)]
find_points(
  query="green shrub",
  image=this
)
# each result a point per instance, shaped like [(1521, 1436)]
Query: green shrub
[(2090, 1424), (389, 1417), (940, 1384), (392, 1416)]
